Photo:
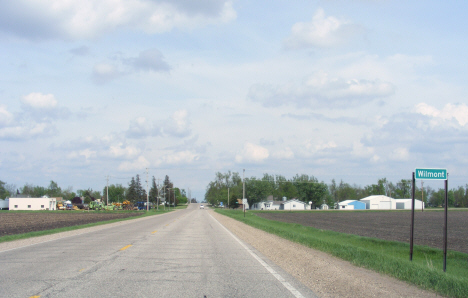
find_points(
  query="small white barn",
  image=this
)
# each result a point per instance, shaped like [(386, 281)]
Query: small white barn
[(379, 202), (324, 207), (294, 204), (345, 205), (43, 203)]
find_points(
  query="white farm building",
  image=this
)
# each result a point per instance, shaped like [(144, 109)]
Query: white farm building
[(43, 203), (294, 205), (386, 203)]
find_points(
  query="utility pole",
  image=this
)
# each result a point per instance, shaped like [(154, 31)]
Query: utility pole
[(107, 190), (243, 190), (228, 198), (159, 195), (147, 193)]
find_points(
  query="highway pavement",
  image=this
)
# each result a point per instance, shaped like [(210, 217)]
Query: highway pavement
[(185, 253)]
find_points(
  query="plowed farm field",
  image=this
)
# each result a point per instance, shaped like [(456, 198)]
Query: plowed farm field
[(387, 225), (18, 223)]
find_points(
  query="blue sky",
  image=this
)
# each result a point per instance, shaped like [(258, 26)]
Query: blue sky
[(352, 90)]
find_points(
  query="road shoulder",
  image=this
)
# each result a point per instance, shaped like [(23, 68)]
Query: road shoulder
[(324, 274)]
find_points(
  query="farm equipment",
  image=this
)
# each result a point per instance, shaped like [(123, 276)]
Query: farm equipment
[(109, 207), (140, 206), (127, 205), (118, 206), (95, 205)]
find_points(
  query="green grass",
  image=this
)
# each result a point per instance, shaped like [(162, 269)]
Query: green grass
[(66, 229), (387, 257)]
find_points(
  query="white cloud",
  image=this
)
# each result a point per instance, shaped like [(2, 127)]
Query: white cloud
[(458, 112), (38, 100), (150, 60), (252, 153), (361, 151), (400, 154), (322, 90), (285, 153), (90, 19), (177, 158), (140, 163), (321, 32), (27, 131), (142, 128), (5, 116), (120, 150), (178, 125), (105, 72)]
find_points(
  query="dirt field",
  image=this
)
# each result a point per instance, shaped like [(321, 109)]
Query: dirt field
[(17, 223), (391, 225)]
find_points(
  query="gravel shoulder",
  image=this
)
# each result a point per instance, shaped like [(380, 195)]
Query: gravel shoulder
[(326, 275)]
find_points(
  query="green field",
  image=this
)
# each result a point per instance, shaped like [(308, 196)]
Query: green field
[(387, 257)]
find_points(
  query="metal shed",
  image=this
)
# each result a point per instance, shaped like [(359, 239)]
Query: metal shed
[(351, 205), (43, 203), (379, 202)]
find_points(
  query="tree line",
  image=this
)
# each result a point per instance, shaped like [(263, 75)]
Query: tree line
[(308, 189), (133, 192)]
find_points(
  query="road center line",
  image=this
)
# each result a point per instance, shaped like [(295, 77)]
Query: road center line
[(124, 248), (154, 232), (286, 284)]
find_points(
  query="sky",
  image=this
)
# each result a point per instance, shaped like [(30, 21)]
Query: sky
[(345, 90)]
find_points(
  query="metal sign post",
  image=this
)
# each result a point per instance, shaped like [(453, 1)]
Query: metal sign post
[(412, 218), (430, 174), (445, 225)]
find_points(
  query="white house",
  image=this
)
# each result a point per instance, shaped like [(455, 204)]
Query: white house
[(293, 204), (43, 203), (268, 205), (260, 206), (379, 202)]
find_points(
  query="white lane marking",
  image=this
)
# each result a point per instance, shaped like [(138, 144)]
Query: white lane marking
[(286, 284)]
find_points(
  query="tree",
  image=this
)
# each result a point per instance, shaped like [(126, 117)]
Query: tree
[(257, 190), (4, 193), (116, 193), (54, 190), (310, 190), (153, 192), (141, 192), (132, 191), (403, 189), (87, 194), (167, 184)]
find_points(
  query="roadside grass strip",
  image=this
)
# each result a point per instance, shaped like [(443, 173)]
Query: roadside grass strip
[(387, 257), (66, 229)]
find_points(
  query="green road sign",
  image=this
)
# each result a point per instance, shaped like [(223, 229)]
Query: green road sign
[(431, 174)]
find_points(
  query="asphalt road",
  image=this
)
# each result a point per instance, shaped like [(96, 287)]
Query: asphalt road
[(186, 253)]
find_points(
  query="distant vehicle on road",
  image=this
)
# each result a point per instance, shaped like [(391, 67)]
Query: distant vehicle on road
[(202, 207)]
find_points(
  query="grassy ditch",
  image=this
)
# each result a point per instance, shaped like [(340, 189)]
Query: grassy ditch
[(71, 228), (387, 257)]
